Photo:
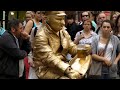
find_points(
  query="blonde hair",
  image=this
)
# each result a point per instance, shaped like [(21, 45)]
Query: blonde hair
[(31, 13)]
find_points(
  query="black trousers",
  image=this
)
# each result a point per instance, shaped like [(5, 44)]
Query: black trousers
[(8, 77)]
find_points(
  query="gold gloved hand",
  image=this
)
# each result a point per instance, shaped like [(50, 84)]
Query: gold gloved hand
[(73, 74), (88, 49)]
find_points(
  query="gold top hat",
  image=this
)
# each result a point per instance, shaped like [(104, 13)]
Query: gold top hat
[(61, 13), (58, 13)]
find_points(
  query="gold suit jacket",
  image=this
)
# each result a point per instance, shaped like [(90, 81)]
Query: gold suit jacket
[(49, 52)]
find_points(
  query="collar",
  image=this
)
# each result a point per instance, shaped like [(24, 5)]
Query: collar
[(14, 36), (17, 42)]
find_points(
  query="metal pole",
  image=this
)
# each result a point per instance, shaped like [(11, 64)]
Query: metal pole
[(77, 15), (17, 14), (4, 19)]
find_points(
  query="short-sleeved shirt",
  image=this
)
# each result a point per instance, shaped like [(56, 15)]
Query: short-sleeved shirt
[(85, 40)]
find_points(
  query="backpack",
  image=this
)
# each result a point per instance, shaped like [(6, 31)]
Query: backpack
[(2, 30), (33, 33), (34, 28)]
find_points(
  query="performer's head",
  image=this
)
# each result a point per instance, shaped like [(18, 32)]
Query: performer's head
[(56, 19)]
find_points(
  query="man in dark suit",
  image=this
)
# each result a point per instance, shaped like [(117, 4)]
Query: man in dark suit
[(10, 53)]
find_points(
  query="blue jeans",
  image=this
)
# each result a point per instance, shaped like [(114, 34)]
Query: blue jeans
[(105, 76)]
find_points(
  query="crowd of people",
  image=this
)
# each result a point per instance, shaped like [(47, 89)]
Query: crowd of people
[(41, 46)]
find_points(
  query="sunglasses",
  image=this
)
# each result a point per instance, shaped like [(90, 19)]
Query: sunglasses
[(84, 15)]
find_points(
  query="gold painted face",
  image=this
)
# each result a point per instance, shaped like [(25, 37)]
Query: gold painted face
[(56, 20)]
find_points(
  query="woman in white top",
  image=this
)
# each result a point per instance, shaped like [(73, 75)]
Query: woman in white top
[(35, 20), (28, 16), (104, 59), (28, 34), (85, 36)]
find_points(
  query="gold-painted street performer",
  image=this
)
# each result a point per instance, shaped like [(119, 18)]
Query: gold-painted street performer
[(52, 44)]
